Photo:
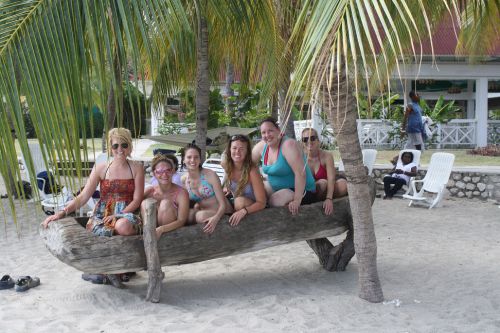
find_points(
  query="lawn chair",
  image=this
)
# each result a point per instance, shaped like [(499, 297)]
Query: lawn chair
[(215, 165), (435, 180), (51, 202), (369, 157)]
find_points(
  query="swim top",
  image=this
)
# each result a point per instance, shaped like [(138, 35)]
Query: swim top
[(321, 173), (280, 175), (205, 189), (247, 191)]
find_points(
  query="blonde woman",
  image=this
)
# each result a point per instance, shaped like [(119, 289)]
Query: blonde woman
[(243, 179), (329, 184), (122, 190)]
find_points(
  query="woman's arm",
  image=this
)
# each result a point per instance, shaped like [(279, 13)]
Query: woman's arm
[(139, 188), (214, 180), (257, 152), (82, 198), (149, 192), (293, 155), (412, 172), (330, 185), (182, 214), (258, 191)]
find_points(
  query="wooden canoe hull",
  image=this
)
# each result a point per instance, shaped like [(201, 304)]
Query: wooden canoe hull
[(71, 243)]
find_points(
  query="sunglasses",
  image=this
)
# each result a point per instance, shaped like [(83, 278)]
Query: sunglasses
[(116, 145), (160, 172), (312, 138), (239, 137)]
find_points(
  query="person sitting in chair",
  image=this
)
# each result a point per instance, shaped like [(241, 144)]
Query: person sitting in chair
[(403, 170)]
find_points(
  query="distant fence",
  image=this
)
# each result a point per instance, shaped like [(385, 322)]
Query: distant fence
[(457, 133)]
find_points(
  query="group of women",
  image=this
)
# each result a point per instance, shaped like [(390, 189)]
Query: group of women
[(291, 175)]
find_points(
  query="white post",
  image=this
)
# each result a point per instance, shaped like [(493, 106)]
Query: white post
[(470, 100), (157, 114), (482, 112)]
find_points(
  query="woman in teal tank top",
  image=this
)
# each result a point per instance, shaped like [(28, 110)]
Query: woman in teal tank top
[(289, 179)]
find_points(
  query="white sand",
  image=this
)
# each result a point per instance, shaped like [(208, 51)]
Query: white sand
[(442, 266)]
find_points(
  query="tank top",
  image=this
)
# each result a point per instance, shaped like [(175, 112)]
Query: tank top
[(280, 175)]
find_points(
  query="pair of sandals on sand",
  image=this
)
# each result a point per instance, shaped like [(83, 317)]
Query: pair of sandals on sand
[(23, 283)]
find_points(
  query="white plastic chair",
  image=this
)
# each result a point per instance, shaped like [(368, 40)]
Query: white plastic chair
[(435, 180), (369, 157), (49, 202), (215, 165)]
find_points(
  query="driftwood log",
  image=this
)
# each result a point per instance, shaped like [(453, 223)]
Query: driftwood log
[(71, 243)]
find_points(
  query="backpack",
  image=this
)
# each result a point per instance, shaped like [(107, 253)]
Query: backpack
[(49, 179), (28, 193)]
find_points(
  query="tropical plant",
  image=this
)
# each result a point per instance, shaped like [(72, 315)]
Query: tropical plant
[(441, 112), (382, 108)]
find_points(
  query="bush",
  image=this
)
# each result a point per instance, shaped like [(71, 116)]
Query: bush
[(492, 150), (94, 123), (135, 110)]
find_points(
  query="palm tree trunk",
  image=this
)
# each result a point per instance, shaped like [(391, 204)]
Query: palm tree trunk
[(274, 106), (202, 86), (228, 90), (340, 105)]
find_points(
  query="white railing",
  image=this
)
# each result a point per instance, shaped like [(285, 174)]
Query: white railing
[(454, 134), (375, 133), (457, 132)]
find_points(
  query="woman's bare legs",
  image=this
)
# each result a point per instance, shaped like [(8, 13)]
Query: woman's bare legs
[(281, 198), (340, 189)]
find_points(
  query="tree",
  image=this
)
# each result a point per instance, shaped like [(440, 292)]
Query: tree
[(346, 45)]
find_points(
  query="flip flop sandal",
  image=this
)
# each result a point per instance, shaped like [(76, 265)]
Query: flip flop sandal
[(94, 278), (24, 283), (115, 281), (6, 282)]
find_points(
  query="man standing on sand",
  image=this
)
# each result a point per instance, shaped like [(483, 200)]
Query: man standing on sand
[(412, 123)]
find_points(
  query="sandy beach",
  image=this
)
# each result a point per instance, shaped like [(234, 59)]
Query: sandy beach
[(439, 272)]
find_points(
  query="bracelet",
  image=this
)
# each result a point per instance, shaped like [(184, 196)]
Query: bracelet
[(327, 198), (246, 210)]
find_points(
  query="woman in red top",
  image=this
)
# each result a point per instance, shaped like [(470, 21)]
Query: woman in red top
[(122, 189), (329, 184)]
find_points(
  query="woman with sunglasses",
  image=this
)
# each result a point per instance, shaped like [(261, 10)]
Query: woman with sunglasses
[(172, 200), (329, 184), (122, 189), (243, 179), (204, 189), (289, 179)]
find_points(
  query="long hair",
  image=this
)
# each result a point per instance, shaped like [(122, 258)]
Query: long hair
[(228, 164)]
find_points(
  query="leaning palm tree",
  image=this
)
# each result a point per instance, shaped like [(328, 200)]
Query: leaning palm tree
[(347, 45)]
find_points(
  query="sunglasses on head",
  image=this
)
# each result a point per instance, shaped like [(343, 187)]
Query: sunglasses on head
[(312, 138), (116, 145), (239, 137)]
